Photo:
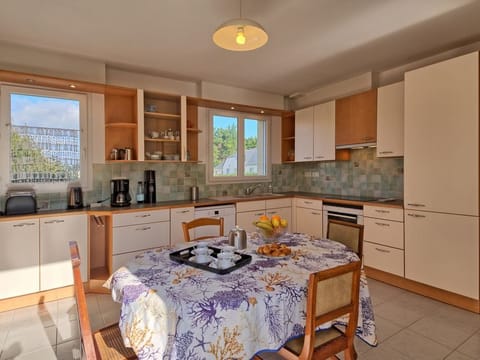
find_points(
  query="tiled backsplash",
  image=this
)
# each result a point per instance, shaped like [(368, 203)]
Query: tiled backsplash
[(363, 175)]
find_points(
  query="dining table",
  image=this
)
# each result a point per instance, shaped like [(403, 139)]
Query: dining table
[(171, 310)]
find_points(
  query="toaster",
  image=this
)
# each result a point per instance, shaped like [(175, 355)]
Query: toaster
[(21, 202)]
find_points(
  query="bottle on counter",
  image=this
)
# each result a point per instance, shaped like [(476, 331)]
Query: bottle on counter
[(140, 193)]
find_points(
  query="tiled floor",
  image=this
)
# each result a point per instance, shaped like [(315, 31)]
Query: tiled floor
[(409, 326)]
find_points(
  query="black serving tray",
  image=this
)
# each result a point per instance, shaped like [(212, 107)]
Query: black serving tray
[(183, 255)]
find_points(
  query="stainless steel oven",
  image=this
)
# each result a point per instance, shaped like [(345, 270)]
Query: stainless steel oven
[(349, 213)]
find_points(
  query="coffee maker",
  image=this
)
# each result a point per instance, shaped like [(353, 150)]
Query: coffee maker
[(119, 192), (150, 187)]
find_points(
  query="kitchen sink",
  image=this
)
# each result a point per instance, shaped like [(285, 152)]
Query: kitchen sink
[(243, 196)]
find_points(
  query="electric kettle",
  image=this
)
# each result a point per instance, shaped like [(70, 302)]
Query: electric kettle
[(237, 237), (75, 199)]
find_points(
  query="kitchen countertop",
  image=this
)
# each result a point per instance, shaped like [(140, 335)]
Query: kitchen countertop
[(216, 200)]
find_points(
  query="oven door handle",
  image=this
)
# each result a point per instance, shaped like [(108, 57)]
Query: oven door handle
[(343, 216)]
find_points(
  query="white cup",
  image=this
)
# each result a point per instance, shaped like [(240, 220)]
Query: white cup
[(201, 244), (225, 260), (201, 254)]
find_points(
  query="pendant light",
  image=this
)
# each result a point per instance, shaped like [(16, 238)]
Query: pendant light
[(240, 34)]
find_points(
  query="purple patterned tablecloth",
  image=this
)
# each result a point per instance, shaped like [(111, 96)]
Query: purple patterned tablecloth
[(175, 311)]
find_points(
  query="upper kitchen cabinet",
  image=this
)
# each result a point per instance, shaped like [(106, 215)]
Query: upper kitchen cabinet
[(315, 134), (390, 111), (442, 137), (192, 131), (356, 119), (288, 136), (121, 125)]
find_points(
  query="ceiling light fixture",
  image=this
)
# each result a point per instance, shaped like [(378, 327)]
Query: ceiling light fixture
[(240, 34)]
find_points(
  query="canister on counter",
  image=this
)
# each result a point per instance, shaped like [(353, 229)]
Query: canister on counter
[(194, 195)]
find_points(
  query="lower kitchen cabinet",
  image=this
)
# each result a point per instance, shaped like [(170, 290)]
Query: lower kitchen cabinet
[(248, 212), (383, 235), (55, 263), (177, 216), (134, 232), (281, 207), (19, 258), (309, 217), (442, 250)]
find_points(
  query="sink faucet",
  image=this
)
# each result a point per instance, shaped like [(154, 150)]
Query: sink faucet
[(250, 189)]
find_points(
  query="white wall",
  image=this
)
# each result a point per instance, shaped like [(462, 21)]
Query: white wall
[(235, 95), (40, 62)]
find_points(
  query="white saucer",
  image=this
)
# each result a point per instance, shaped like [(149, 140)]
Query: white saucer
[(194, 259), (214, 265), (210, 251)]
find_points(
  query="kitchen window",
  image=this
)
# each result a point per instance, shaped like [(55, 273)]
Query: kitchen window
[(43, 136), (238, 147)]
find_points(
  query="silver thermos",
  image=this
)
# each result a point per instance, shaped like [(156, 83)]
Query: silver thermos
[(237, 237), (194, 193)]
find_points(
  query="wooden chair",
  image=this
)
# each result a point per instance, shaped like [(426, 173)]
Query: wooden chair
[(347, 233), (106, 343), (331, 293), (187, 226)]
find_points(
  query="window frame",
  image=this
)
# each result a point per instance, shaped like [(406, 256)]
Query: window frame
[(240, 178), (5, 135)]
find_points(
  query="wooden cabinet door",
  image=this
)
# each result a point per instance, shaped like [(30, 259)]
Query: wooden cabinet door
[(55, 263), (442, 250), (309, 221), (304, 134), (19, 266), (442, 136), (177, 216), (390, 114), (324, 131), (356, 119)]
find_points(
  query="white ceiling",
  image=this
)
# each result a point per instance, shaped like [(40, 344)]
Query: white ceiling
[(312, 42)]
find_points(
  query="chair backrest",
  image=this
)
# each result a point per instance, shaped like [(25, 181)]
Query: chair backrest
[(332, 293), (347, 233), (91, 352), (187, 226)]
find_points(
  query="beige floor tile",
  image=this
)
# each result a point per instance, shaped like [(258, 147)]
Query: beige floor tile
[(416, 346), (381, 292), (6, 319), (459, 356), (398, 313), (47, 353), (21, 341), (69, 350), (67, 331), (385, 328), (383, 352), (67, 309), (471, 347)]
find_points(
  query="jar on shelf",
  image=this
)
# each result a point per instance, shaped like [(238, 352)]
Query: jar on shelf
[(177, 135), (170, 134)]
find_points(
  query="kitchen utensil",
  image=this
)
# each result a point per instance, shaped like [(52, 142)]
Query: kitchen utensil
[(237, 237), (194, 193), (119, 195), (154, 134), (128, 153), (121, 154), (20, 202), (75, 198)]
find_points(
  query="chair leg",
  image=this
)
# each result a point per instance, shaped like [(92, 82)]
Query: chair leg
[(350, 353)]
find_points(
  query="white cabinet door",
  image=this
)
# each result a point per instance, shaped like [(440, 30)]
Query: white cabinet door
[(323, 131), (19, 258), (304, 134), (245, 219), (177, 216), (442, 137), (140, 237), (442, 250), (309, 221), (55, 263), (390, 111)]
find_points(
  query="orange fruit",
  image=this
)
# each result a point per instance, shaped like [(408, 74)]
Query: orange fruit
[(264, 218), (276, 217)]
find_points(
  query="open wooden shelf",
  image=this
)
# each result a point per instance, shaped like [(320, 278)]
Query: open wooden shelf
[(159, 115), (121, 125), (162, 140)]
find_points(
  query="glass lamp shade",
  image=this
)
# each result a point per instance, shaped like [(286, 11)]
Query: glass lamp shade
[(240, 35)]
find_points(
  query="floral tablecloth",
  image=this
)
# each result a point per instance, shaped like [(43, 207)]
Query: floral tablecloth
[(175, 311)]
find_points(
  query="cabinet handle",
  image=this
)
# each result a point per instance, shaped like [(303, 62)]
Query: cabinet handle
[(416, 215), (23, 224), (382, 211), (184, 211), (319, 157), (272, 212), (382, 224), (143, 216), (56, 221), (316, 213), (258, 214), (143, 228), (308, 202), (367, 138), (416, 204), (385, 152), (382, 250), (307, 157)]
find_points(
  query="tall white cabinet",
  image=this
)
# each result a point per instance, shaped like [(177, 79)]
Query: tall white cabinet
[(442, 175), (390, 120), (304, 131)]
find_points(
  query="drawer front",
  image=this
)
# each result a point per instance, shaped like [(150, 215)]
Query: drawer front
[(379, 212), (122, 259), (141, 217), (140, 237), (251, 205), (384, 258), (278, 203), (309, 204), (384, 232)]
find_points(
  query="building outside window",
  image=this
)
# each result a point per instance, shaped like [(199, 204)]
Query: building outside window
[(238, 144), (45, 132)]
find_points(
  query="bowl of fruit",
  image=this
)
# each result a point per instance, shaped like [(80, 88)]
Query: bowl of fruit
[(271, 229)]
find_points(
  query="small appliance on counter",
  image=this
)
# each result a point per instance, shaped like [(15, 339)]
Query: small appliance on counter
[(150, 187), (75, 198), (119, 192), (20, 202)]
